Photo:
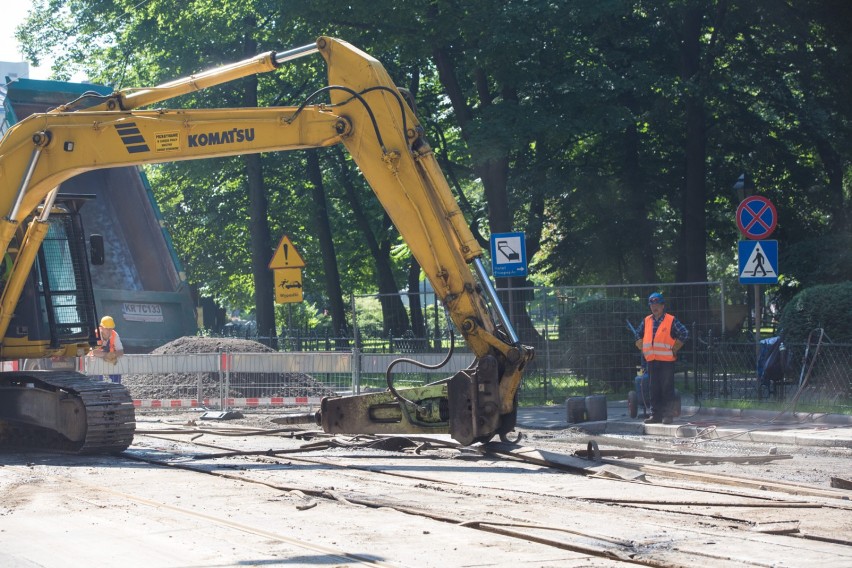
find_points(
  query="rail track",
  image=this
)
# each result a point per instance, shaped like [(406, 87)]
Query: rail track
[(221, 495), (614, 509)]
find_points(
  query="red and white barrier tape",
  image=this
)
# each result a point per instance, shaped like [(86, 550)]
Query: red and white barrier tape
[(228, 402)]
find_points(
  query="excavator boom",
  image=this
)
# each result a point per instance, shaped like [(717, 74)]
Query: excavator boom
[(370, 117)]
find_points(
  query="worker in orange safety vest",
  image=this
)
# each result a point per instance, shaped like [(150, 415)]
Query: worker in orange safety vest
[(109, 345), (660, 336)]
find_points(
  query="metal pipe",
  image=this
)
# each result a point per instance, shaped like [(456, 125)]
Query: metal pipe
[(262, 63), (491, 292), (24, 183), (295, 53), (48, 204)]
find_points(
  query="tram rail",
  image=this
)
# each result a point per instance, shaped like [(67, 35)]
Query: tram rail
[(705, 499)]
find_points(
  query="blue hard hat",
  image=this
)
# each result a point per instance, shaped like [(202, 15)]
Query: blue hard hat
[(656, 298)]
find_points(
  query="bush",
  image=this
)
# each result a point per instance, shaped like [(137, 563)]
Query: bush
[(600, 346), (828, 306)]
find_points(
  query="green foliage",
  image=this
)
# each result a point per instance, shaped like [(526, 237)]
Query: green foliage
[(370, 322), (827, 306), (599, 344), (565, 120), (303, 318), (819, 260)]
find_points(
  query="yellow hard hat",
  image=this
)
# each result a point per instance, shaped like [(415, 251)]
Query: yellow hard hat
[(108, 322)]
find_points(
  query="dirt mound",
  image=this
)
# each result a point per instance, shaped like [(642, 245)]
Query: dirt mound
[(242, 385), (211, 345)]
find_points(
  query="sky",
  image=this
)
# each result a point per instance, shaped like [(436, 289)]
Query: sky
[(11, 14)]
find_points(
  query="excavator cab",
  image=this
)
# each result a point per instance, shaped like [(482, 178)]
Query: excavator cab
[(55, 315)]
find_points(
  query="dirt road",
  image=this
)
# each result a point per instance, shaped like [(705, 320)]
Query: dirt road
[(193, 494)]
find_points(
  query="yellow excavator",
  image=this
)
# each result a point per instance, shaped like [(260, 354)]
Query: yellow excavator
[(47, 306)]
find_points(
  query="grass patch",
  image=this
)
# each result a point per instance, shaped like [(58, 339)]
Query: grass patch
[(773, 406)]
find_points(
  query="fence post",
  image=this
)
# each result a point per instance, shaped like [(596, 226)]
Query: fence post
[(356, 348), (356, 370), (356, 336), (228, 363), (694, 360), (224, 378), (199, 394), (546, 344), (220, 372)]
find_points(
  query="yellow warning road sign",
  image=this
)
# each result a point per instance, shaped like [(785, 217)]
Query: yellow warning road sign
[(286, 256), (288, 285)]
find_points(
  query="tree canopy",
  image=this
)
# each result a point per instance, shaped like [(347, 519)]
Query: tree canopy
[(610, 132)]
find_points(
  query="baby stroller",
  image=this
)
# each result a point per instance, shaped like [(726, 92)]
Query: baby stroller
[(641, 396), (772, 363)]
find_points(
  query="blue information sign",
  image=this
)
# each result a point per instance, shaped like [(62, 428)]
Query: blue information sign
[(508, 255), (758, 262)]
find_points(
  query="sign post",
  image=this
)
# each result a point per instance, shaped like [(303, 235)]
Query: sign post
[(756, 220)]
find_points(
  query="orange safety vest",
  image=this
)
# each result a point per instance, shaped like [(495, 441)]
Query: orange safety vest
[(107, 342), (659, 347)]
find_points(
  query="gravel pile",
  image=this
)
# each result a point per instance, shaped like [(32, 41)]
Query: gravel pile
[(185, 385)]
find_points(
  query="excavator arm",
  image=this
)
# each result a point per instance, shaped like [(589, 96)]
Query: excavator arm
[(370, 117)]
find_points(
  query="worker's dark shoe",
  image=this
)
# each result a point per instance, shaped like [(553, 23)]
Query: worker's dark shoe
[(667, 420), (653, 420)]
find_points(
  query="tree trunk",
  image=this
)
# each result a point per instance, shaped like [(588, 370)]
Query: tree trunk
[(394, 317), (415, 306), (329, 257), (692, 261), (640, 227), (261, 248), (841, 218), (261, 242), (494, 174)]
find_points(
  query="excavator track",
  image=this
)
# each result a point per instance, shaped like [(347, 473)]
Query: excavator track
[(64, 411)]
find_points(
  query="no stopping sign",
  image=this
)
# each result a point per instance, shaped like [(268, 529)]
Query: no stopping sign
[(756, 217)]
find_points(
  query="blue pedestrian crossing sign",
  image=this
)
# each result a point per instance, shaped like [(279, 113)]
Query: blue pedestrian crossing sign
[(508, 255), (758, 262)]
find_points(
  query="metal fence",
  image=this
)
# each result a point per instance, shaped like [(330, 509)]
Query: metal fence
[(582, 336), (228, 379), (812, 376), (584, 344)]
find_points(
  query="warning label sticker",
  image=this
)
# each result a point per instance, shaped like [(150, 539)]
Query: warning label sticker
[(167, 141)]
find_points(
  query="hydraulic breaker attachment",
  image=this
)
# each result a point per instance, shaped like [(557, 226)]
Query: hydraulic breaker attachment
[(474, 401), (467, 406), (424, 410)]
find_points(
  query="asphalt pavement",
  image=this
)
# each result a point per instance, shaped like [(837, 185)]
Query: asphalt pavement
[(772, 427)]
